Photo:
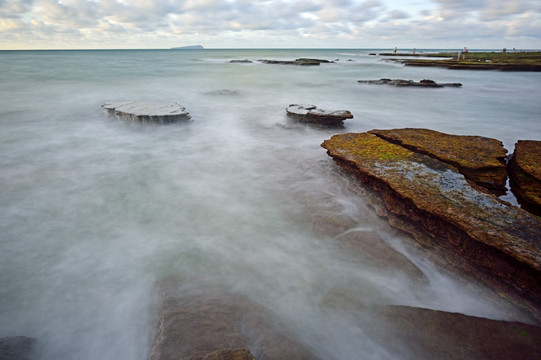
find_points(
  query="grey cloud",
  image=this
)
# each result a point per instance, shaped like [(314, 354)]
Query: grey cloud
[(398, 14)]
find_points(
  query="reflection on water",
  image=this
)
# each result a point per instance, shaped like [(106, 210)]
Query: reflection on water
[(95, 210)]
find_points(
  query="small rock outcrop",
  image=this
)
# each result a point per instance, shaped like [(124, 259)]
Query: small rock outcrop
[(479, 159), (16, 347), (197, 319), (147, 111), (465, 228), (410, 83), (241, 61), (301, 62), (525, 173), (417, 333), (311, 114)]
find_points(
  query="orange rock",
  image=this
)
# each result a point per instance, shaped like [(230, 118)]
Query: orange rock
[(468, 229), (525, 173)]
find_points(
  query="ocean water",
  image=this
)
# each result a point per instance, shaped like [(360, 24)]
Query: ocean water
[(94, 211)]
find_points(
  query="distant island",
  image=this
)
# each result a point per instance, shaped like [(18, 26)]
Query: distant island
[(190, 47)]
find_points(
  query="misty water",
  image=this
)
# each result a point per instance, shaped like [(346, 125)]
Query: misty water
[(95, 211)]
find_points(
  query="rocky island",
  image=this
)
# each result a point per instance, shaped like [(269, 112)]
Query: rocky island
[(465, 227), (189, 47)]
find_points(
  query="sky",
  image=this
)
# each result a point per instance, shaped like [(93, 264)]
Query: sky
[(142, 24)]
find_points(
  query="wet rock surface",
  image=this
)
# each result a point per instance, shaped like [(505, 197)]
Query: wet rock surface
[(480, 159), (466, 229), (201, 320), (525, 173), (17, 347), (415, 333), (311, 114), (147, 111), (409, 83)]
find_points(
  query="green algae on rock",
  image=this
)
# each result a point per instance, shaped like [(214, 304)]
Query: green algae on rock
[(525, 173), (471, 230), (480, 159)]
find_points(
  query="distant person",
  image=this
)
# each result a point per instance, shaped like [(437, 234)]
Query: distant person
[(414, 50), (394, 51), (504, 50), (464, 53)]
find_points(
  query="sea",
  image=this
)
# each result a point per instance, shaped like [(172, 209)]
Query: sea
[(95, 210)]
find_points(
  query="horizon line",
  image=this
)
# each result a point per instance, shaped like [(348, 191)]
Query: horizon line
[(258, 48)]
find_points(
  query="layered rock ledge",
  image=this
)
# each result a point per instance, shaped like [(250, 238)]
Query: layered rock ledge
[(426, 83), (479, 159), (311, 114), (147, 111), (525, 173), (465, 228)]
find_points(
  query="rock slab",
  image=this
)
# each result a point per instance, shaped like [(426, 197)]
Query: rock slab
[(468, 229), (301, 62), (200, 320), (479, 159), (311, 114), (426, 83), (416, 333), (147, 111), (525, 173)]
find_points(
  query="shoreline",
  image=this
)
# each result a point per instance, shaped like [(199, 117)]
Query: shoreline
[(504, 61)]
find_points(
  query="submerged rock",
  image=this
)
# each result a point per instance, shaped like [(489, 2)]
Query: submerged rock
[(311, 114), (399, 82), (480, 159), (16, 347), (465, 228), (200, 320), (525, 173), (369, 249), (241, 61), (415, 333), (147, 111)]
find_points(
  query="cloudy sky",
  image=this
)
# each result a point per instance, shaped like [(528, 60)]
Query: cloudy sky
[(90, 24)]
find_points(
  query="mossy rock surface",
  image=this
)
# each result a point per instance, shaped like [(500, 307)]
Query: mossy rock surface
[(525, 172), (438, 188), (472, 229), (480, 159), (416, 333)]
